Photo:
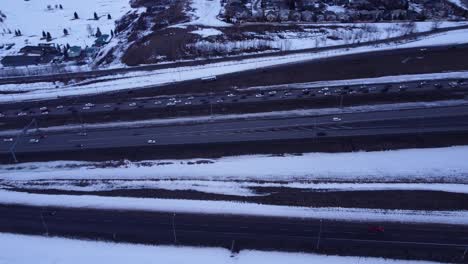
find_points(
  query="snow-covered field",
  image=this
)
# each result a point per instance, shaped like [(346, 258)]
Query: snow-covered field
[(33, 17), (45, 250)]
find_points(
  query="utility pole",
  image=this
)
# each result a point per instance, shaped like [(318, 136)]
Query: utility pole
[(173, 228), (319, 234), (18, 137), (44, 223)]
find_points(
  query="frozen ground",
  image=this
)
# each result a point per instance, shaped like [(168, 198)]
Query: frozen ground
[(33, 17), (135, 80), (44, 250)]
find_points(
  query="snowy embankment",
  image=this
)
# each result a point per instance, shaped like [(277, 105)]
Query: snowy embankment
[(135, 80), (44, 250), (460, 3), (446, 165), (47, 16)]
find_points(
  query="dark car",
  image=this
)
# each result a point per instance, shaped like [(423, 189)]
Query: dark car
[(376, 229), (321, 134)]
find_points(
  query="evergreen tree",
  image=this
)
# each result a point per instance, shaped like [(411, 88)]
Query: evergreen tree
[(19, 33), (96, 16), (68, 46), (60, 6), (65, 52), (98, 33), (43, 34), (112, 33), (49, 37), (109, 16), (65, 32), (75, 15)]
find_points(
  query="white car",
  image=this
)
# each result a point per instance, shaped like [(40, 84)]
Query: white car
[(22, 114), (190, 98), (86, 108), (107, 106), (151, 141), (272, 92), (219, 100), (287, 94), (231, 95), (45, 113), (8, 140), (43, 108), (59, 107), (157, 102), (2, 115), (259, 95), (336, 119), (170, 103), (34, 140), (89, 105), (132, 104), (188, 103)]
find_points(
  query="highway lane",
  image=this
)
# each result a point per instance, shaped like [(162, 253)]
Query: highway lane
[(441, 119), (445, 241), (230, 97)]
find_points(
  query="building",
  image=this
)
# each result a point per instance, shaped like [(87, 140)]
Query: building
[(40, 50), (24, 60), (74, 52)]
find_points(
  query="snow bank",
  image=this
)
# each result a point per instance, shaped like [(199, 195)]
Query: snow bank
[(206, 32), (234, 208), (60, 250), (432, 164)]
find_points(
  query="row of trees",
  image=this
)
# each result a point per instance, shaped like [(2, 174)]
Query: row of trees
[(96, 17)]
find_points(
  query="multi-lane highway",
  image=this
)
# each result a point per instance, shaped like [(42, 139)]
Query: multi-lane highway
[(411, 121), (230, 97), (398, 240)]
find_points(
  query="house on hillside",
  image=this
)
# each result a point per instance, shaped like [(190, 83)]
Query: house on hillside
[(102, 40), (75, 52), (40, 50)]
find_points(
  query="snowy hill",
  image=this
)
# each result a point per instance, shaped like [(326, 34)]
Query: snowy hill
[(35, 16), (461, 3)]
